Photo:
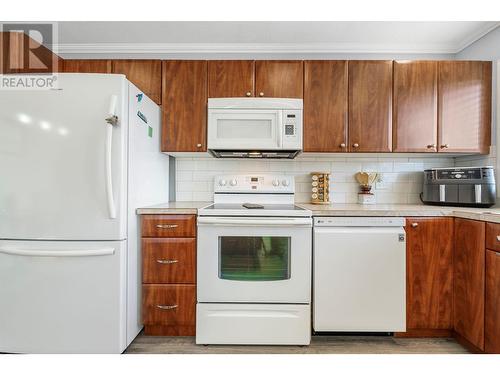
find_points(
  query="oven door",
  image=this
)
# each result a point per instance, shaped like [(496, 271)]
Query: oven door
[(255, 259), (258, 129)]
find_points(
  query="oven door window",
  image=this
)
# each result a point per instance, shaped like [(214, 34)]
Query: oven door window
[(254, 258)]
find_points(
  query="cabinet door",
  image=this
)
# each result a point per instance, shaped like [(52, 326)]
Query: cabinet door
[(468, 284), (279, 79), (184, 104), (415, 106), (231, 78), (325, 106), (429, 273), (87, 66), (370, 106), (492, 307), (464, 120), (145, 74)]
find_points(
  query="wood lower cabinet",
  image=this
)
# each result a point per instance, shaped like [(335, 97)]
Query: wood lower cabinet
[(279, 78), (169, 274), (492, 303), (87, 66), (325, 106), (464, 102), (231, 78), (145, 74), (184, 106), (370, 106), (415, 106), (468, 281), (429, 289)]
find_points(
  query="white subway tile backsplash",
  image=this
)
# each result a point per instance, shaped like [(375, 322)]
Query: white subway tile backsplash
[(402, 175)]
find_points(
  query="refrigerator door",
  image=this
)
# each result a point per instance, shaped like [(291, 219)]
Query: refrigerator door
[(62, 297), (56, 180)]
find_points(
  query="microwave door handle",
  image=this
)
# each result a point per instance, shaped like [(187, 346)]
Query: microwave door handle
[(280, 129)]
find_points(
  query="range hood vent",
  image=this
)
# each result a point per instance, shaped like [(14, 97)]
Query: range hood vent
[(271, 154)]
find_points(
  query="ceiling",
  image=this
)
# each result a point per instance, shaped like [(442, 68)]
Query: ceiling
[(263, 37)]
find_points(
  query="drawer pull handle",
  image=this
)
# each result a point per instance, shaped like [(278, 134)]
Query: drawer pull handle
[(167, 261), (414, 225), (167, 307), (166, 226)]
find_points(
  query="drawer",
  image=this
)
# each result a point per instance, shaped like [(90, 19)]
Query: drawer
[(493, 236), (168, 226), (168, 260), (169, 305)]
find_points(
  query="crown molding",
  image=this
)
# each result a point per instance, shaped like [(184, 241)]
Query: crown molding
[(247, 48)]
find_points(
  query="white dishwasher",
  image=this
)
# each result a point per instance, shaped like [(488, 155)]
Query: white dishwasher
[(359, 274)]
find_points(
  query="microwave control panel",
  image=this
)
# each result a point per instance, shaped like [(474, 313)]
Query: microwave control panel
[(292, 129)]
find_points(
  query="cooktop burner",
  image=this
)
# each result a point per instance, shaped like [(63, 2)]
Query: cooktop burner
[(236, 206)]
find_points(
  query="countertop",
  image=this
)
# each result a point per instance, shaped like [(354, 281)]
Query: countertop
[(406, 210)]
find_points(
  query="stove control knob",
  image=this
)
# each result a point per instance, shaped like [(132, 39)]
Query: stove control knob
[(276, 182), (458, 176), (222, 182), (233, 182), (285, 182)]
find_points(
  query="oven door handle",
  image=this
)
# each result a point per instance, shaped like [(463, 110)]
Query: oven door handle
[(237, 221)]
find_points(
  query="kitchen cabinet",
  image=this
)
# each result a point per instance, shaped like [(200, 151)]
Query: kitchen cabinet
[(492, 303), (145, 74), (231, 78), (468, 282), (279, 78), (415, 106), (370, 106), (464, 105), (168, 248), (325, 106), (429, 257), (86, 66), (184, 105)]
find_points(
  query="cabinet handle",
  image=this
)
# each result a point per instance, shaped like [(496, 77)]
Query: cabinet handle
[(167, 307), (166, 226), (248, 93), (414, 225), (198, 145), (498, 238), (355, 145), (431, 146), (445, 145), (261, 94), (342, 145), (167, 261)]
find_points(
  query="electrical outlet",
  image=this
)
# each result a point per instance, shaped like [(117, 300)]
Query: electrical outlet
[(380, 184)]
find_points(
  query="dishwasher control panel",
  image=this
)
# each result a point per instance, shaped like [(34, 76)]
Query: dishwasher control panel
[(343, 221)]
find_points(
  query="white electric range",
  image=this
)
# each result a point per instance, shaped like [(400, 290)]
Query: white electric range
[(254, 264)]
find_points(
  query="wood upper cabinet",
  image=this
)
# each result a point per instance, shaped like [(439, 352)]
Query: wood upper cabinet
[(279, 78), (184, 104), (492, 300), (370, 106), (468, 284), (464, 106), (231, 78), (325, 106), (86, 66), (429, 273), (145, 74), (415, 106)]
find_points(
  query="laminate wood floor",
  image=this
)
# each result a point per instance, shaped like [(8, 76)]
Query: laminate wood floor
[(319, 345)]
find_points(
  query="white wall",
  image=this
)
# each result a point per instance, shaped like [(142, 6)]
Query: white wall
[(402, 175)]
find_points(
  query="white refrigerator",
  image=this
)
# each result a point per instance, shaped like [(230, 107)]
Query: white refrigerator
[(71, 177)]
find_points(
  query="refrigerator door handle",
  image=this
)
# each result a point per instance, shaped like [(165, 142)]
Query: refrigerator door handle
[(111, 121), (57, 253)]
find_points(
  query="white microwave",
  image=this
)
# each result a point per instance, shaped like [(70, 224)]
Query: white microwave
[(255, 127)]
